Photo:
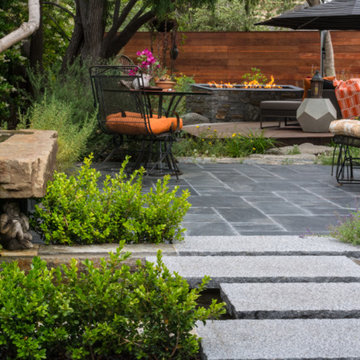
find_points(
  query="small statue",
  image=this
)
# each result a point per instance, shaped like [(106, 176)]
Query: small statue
[(14, 228)]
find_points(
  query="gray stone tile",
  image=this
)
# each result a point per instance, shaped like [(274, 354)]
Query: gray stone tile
[(203, 179), (244, 214), (202, 218), (220, 200), (291, 300), (306, 224), (264, 245), (257, 228), (346, 202), (200, 210), (321, 210), (208, 228), (280, 339), (279, 207), (241, 269), (208, 190)]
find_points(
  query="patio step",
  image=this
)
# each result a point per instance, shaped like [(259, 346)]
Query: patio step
[(280, 339), (292, 300), (260, 269), (264, 245)]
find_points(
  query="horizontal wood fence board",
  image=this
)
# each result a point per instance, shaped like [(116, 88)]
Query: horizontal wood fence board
[(289, 56)]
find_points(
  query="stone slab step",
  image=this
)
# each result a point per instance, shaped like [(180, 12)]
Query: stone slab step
[(242, 269), (292, 300), (264, 245), (280, 339)]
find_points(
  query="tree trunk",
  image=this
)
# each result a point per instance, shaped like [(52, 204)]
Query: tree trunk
[(26, 28), (37, 46), (77, 40), (92, 14)]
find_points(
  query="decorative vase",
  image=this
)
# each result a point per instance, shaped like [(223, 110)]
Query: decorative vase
[(142, 82), (165, 84)]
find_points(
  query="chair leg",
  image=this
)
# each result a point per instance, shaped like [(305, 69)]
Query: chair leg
[(116, 146)]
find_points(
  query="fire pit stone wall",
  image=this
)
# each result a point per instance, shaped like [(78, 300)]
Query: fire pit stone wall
[(238, 103)]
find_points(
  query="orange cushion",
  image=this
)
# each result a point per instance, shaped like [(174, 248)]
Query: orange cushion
[(134, 124), (307, 84)]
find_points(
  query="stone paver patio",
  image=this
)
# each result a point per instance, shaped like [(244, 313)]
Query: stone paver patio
[(290, 296), (257, 199)]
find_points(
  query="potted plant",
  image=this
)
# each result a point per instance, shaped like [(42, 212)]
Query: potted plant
[(163, 80)]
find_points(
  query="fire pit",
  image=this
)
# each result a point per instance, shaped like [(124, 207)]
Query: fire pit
[(240, 102)]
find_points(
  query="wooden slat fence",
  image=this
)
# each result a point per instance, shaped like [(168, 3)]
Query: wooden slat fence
[(288, 55)]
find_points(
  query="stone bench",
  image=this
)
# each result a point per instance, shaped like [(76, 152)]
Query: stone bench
[(346, 135)]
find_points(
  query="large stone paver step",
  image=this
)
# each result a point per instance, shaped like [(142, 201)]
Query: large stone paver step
[(264, 245), (280, 339), (292, 300), (241, 269)]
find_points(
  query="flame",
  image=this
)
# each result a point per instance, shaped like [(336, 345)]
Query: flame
[(246, 85), (221, 85), (271, 83)]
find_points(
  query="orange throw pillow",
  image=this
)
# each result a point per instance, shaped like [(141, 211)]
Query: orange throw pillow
[(134, 124)]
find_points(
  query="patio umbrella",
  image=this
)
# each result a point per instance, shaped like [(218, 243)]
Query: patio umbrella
[(334, 15)]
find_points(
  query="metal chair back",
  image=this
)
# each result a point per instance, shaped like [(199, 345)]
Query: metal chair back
[(114, 94)]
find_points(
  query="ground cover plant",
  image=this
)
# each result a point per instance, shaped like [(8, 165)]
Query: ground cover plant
[(208, 143), (58, 105), (105, 312), (348, 229), (78, 209)]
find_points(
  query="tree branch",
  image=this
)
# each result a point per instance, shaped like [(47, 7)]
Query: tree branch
[(25, 29), (61, 30), (124, 14), (116, 10), (121, 39), (60, 7)]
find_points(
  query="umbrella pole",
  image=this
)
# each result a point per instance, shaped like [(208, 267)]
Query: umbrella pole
[(322, 51)]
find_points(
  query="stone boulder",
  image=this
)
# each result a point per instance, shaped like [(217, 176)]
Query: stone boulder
[(27, 163), (194, 118)]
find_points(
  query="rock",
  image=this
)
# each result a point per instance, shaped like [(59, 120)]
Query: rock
[(306, 148), (194, 118), (14, 228), (27, 163)]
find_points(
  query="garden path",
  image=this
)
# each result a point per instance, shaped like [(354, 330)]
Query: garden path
[(289, 296), (253, 228)]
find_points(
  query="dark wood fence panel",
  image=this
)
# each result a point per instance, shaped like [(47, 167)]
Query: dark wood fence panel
[(289, 56)]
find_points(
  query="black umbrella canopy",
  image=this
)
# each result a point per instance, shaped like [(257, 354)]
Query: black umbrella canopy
[(334, 15)]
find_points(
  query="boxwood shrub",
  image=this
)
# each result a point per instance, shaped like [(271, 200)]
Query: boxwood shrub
[(105, 312), (78, 210)]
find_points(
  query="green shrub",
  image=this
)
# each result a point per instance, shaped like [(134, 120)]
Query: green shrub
[(50, 113), (349, 229), (209, 144), (99, 313), (253, 143), (72, 87), (75, 210)]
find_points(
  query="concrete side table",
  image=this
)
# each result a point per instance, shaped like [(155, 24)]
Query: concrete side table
[(315, 115)]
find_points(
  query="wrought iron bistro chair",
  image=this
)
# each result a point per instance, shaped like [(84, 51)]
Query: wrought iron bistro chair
[(125, 113), (346, 137)]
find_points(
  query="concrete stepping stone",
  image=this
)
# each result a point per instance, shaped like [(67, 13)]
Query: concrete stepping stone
[(264, 245), (241, 269), (280, 339), (292, 300)]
